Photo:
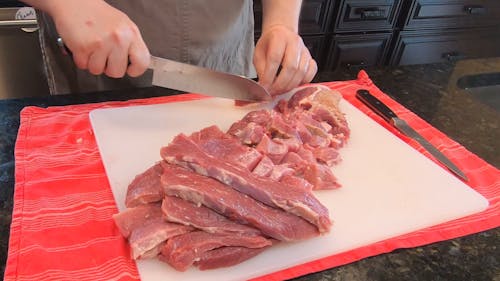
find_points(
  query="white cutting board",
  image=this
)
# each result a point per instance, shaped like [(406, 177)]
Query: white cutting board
[(388, 187)]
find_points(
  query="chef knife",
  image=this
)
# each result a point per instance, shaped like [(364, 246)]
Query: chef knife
[(385, 112), (194, 79)]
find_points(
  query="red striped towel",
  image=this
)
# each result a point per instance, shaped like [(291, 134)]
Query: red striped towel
[(63, 203)]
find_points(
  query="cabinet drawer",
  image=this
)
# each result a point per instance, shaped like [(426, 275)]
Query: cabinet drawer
[(453, 13), (365, 15), (437, 46), (357, 50), (314, 16)]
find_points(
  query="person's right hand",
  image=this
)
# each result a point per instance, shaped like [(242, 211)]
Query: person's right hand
[(101, 38)]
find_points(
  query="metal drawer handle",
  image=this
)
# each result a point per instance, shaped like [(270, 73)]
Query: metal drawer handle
[(19, 23), (453, 56), (370, 13), (354, 65), (475, 9)]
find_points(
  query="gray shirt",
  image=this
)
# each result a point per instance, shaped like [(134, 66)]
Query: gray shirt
[(217, 34)]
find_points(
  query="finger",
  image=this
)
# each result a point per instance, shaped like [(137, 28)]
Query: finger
[(299, 76), (274, 55), (259, 59), (311, 72), (289, 66), (81, 60), (82, 52), (97, 61), (139, 57), (117, 62)]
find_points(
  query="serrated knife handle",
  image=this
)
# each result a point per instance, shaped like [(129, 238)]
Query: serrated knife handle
[(376, 105)]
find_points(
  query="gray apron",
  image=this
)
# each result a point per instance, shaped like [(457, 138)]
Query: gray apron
[(216, 34)]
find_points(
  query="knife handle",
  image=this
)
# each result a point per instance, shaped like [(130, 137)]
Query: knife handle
[(376, 105), (66, 51)]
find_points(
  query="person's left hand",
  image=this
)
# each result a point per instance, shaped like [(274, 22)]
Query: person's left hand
[(280, 46)]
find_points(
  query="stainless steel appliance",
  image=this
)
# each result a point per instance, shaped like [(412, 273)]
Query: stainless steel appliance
[(21, 64)]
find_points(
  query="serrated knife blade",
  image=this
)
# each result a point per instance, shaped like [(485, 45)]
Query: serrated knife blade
[(385, 112)]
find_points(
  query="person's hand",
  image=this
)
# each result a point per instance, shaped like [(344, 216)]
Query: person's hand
[(101, 38), (280, 46)]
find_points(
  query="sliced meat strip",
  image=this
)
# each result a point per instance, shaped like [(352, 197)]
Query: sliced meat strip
[(183, 151), (146, 229), (153, 253), (144, 240), (182, 251), (132, 218), (215, 142), (297, 181), (145, 188), (226, 256), (187, 213), (236, 206)]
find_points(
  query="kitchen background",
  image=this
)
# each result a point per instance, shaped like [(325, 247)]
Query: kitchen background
[(438, 58), (343, 36)]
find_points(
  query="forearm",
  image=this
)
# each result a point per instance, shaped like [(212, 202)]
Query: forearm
[(281, 12)]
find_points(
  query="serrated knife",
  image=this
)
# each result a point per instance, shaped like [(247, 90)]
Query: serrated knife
[(385, 112)]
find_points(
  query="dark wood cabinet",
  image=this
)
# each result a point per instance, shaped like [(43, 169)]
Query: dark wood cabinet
[(357, 33), (432, 14), (315, 16), (419, 47), (367, 15), (447, 30), (354, 51), (362, 33)]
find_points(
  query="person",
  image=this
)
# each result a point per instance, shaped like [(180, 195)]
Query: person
[(111, 41)]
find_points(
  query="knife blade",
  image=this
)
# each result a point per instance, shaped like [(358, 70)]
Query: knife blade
[(194, 79), (385, 112)]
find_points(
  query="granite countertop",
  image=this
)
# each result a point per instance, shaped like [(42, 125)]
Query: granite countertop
[(430, 91)]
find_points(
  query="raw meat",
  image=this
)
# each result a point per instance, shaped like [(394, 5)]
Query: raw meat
[(275, 151), (323, 104), (295, 200), (184, 212), (182, 251), (309, 123), (227, 196), (226, 256), (236, 206), (145, 240), (215, 142), (132, 218), (145, 188), (146, 229)]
